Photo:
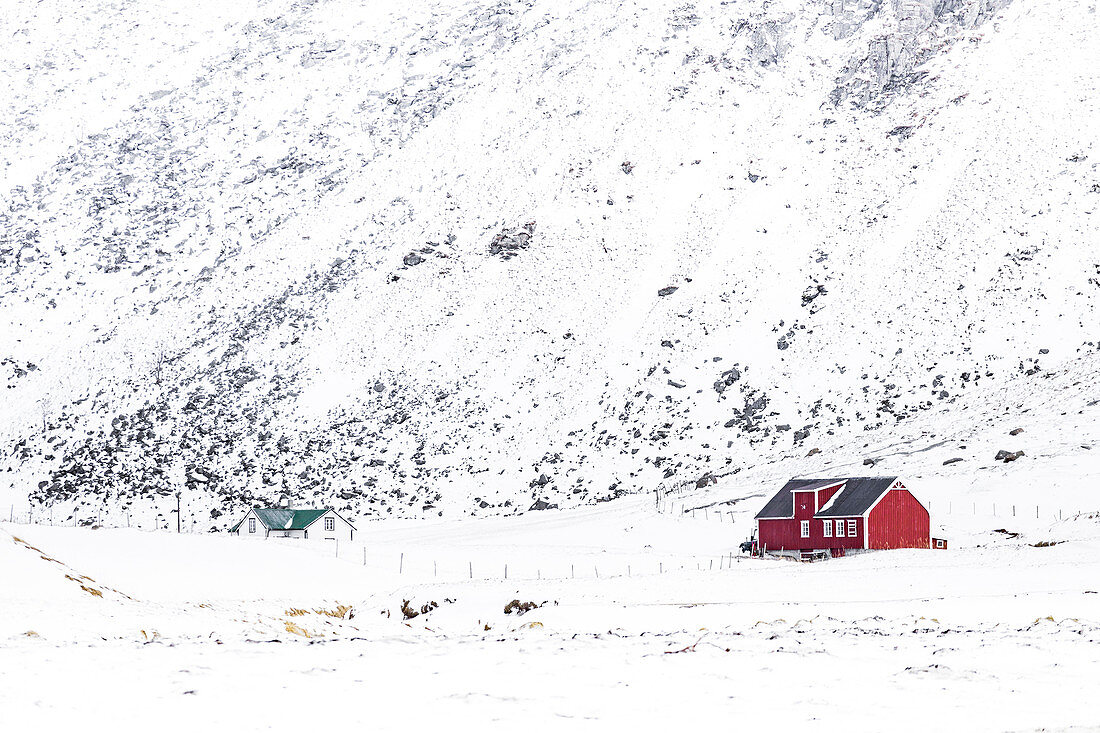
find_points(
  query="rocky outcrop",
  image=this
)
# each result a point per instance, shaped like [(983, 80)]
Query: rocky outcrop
[(905, 34)]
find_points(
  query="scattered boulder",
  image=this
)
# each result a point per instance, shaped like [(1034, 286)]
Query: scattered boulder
[(949, 461), (413, 259), (521, 607), (813, 452), (868, 461), (510, 242), (667, 291), (812, 292), (542, 504), (726, 380), (627, 167), (1017, 431), (705, 480), (1008, 456), (409, 612)]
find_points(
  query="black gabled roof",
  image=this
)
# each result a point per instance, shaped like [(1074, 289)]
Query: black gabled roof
[(856, 497), (782, 504)]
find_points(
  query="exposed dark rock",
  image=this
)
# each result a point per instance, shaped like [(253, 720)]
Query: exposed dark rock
[(409, 612), (521, 607), (541, 505), (413, 259), (1017, 431), (1008, 456), (726, 379), (510, 242), (705, 480), (667, 290), (812, 293), (949, 461)]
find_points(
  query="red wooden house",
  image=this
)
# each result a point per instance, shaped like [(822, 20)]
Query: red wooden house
[(839, 515)]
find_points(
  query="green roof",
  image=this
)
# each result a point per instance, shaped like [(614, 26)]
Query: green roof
[(285, 518)]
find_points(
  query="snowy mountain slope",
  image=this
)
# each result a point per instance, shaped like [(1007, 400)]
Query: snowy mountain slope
[(412, 261)]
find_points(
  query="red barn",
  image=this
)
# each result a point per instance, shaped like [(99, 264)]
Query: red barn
[(839, 515)]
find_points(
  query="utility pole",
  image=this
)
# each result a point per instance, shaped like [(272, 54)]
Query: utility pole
[(178, 514)]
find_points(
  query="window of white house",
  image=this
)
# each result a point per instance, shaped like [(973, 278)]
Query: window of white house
[(827, 525), (805, 527), (252, 525), (840, 528), (330, 524), (851, 528)]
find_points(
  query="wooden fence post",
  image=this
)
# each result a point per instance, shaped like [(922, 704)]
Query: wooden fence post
[(401, 564)]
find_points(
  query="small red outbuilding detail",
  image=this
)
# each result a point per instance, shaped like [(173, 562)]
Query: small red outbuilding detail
[(834, 516)]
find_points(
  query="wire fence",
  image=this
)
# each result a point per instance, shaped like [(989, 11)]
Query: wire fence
[(714, 511), (165, 521)]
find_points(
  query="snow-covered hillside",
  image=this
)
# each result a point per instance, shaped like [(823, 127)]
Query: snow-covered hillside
[(457, 257)]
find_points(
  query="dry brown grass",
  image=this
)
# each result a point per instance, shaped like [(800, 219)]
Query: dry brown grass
[(296, 629), (94, 591), (338, 612)]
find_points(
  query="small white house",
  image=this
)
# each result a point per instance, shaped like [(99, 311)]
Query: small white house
[(306, 524)]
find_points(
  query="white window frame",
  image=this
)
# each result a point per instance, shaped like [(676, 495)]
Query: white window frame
[(827, 527), (805, 528), (840, 528), (852, 528), (330, 524), (252, 525)]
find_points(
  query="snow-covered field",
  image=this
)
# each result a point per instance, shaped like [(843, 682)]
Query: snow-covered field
[(213, 631)]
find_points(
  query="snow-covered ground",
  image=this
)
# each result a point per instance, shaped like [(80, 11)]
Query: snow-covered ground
[(213, 631)]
